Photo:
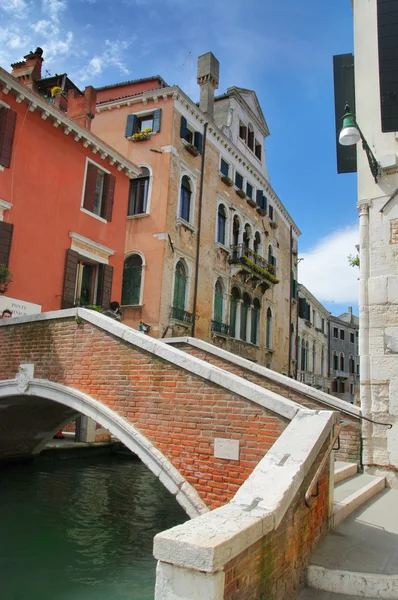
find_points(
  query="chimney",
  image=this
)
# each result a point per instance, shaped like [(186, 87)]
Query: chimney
[(81, 107), (350, 313), (207, 78), (28, 71)]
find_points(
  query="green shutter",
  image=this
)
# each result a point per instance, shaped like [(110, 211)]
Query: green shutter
[(179, 290), (253, 337), (157, 119), (130, 125), (218, 303), (131, 290), (243, 321), (198, 141), (233, 316), (183, 128)]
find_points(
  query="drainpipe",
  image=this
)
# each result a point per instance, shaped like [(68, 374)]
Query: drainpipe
[(290, 301), (195, 293)]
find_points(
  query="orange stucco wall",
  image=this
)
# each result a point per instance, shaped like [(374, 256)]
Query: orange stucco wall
[(44, 184), (142, 231)]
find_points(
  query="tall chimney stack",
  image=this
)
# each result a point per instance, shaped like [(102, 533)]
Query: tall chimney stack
[(28, 71), (207, 78)]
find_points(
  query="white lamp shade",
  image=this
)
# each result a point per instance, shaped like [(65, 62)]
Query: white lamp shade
[(349, 136)]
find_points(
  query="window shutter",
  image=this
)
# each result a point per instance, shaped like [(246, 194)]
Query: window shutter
[(218, 305), (104, 291), (183, 128), (7, 128), (308, 312), (265, 202), (271, 212), (107, 197), (344, 93), (89, 192), (130, 125), (198, 138), (302, 308), (68, 294), (387, 32), (6, 230), (259, 198), (157, 119)]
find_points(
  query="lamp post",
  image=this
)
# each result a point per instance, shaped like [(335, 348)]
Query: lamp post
[(350, 134)]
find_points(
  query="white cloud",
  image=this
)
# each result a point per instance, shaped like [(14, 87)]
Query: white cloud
[(53, 8), (17, 8), (57, 47), (325, 270), (110, 57)]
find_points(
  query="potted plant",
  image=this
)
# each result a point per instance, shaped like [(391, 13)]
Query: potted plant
[(192, 149), (141, 136), (5, 278), (251, 202), (241, 193), (225, 179)]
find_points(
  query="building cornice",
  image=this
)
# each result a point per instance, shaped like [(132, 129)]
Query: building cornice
[(307, 294), (80, 134), (178, 95)]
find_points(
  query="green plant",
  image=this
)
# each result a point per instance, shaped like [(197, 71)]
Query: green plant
[(140, 136), (94, 307), (353, 261), (192, 149), (260, 270), (5, 275), (227, 181)]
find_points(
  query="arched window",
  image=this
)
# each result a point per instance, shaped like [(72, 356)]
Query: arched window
[(342, 361), (235, 296), (132, 277), (270, 254), (244, 334), (221, 225), (138, 196), (257, 243), (180, 287), (255, 321), (303, 358), (235, 231), (268, 334), (185, 199), (352, 364), (247, 234), (250, 137), (335, 361), (218, 303), (314, 358)]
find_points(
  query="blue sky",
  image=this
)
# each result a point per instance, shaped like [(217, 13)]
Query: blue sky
[(281, 49)]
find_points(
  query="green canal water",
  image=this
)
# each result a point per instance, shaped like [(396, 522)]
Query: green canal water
[(81, 530)]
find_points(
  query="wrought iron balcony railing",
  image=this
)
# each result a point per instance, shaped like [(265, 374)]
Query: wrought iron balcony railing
[(181, 315), (242, 254), (221, 327)]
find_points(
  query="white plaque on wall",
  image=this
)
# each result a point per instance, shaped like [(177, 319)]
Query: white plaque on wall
[(227, 449), (18, 307)]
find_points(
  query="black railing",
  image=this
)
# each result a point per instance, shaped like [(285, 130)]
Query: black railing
[(220, 327), (181, 315), (240, 252)]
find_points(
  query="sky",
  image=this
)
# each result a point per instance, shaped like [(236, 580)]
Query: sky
[(282, 49)]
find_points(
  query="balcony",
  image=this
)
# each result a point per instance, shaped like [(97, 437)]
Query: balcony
[(314, 380), (181, 315), (253, 263), (218, 327), (340, 374)]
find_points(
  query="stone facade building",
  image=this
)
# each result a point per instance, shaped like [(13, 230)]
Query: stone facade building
[(343, 356), (210, 248), (312, 341)]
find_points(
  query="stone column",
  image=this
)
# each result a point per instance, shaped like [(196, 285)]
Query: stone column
[(249, 323), (237, 320), (85, 429)]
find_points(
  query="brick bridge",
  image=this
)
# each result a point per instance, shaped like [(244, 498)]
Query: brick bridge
[(200, 418)]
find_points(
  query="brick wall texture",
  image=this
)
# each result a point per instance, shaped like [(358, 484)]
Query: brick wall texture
[(274, 568), (179, 412), (350, 433)]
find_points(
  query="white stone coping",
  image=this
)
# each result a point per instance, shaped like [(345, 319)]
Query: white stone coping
[(93, 245), (124, 430), (208, 542), (295, 385), (254, 393)]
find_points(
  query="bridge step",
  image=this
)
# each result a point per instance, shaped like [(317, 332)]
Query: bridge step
[(352, 493), (359, 558), (313, 594), (343, 470)]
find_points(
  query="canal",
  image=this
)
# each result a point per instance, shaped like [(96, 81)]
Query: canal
[(81, 529)]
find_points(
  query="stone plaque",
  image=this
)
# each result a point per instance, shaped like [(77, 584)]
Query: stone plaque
[(227, 449), (18, 307)]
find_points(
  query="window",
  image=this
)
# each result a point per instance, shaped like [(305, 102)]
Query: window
[(351, 389), (218, 302), (342, 362), (244, 314), (7, 129), (335, 361), (247, 236), (255, 321), (242, 131), (221, 225), (314, 317), (257, 243), (257, 150), (292, 357), (137, 123), (236, 231), (352, 338), (85, 283), (99, 191), (132, 279), (342, 387), (191, 136), (138, 196), (180, 288), (335, 332), (235, 297), (323, 325), (185, 199), (342, 332), (268, 335), (351, 364), (238, 180), (250, 137), (224, 168), (249, 190), (271, 212), (334, 386)]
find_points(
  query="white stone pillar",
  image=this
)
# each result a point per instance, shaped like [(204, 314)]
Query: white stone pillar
[(249, 323), (238, 319), (85, 429)]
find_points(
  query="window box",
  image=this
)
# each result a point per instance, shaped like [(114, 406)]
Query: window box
[(192, 149), (273, 225), (251, 202), (141, 136), (227, 180), (241, 193), (261, 212)]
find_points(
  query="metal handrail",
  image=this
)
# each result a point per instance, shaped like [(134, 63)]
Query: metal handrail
[(309, 493)]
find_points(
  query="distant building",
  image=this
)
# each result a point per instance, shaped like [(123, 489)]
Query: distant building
[(312, 342), (64, 195), (210, 248), (343, 356)]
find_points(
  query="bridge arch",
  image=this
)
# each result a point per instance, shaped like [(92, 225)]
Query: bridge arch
[(79, 402)]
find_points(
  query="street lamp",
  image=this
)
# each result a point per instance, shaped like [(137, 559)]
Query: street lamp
[(350, 134)]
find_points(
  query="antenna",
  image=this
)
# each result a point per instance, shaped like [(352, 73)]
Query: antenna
[(48, 73), (188, 58)]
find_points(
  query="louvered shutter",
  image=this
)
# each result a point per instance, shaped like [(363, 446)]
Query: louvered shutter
[(271, 212), (108, 196), (89, 192), (302, 308), (218, 304), (232, 318), (259, 198), (7, 129), (387, 33), (130, 125), (104, 291), (198, 141), (308, 312), (183, 128), (157, 119), (344, 92), (68, 294), (6, 230)]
